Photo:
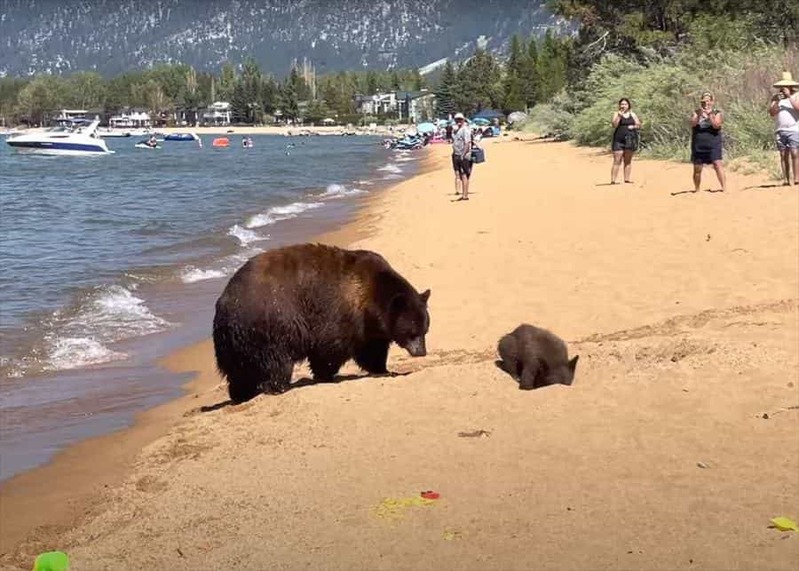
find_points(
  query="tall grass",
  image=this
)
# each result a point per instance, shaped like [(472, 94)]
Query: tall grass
[(664, 92)]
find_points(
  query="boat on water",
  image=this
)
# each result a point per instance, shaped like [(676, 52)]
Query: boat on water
[(181, 137), (111, 133), (75, 137), (143, 145)]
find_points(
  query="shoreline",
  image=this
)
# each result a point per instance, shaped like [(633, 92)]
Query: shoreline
[(31, 492), (113, 385), (318, 130), (628, 406)]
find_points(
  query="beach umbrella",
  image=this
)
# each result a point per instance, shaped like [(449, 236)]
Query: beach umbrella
[(425, 128), (517, 117), (480, 121)]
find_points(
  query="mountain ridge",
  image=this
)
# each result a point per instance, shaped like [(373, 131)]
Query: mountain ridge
[(113, 36)]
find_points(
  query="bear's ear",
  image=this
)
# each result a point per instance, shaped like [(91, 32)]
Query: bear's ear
[(573, 364), (398, 303), (425, 295)]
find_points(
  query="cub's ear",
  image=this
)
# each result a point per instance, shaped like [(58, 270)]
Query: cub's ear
[(425, 295), (573, 364)]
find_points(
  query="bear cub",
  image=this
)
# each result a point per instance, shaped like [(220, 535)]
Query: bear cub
[(536, 357)]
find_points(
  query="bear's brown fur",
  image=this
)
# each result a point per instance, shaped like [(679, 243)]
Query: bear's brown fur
[(536, 357), (315, 302)]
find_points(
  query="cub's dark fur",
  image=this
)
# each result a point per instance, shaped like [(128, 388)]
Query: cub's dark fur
[(536, 357), (315, 302)]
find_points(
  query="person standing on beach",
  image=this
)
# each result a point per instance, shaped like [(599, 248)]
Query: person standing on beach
[(706, 141), (462, 155), (625, 139), (784, 108)]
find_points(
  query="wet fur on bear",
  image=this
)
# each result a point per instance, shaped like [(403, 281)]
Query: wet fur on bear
[(315, 302), (536, 357)]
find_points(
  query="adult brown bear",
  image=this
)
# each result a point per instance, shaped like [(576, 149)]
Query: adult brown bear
[(315, 302)]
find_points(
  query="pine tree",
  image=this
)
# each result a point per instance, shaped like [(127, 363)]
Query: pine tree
[(268, 94), (238, 104), (371, 82), (288, 100), (251, 82), (479, 84), (513, 87), (531, 80), (445, 94), (552, 66), (417, 81), (227, 82)]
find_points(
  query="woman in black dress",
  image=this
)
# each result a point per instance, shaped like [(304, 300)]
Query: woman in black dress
[(625, 139), (706, 141)]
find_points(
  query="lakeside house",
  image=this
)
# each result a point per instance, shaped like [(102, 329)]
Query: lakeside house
[(70, 114), (412, 106), (131, 119), (416, 106), (379, 104), (217, 114)]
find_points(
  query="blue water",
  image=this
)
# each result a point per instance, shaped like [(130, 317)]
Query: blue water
[(81, 235), (111, 262)]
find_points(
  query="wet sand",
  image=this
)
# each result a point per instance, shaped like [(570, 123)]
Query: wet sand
[(674, 448)]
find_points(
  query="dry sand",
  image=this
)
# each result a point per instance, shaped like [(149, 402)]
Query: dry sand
[(674, 448)]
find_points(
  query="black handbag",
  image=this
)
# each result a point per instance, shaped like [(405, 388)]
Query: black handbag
[(478, 155)]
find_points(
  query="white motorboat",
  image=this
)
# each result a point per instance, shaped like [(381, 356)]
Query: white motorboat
[(112, 133), (70, 138)]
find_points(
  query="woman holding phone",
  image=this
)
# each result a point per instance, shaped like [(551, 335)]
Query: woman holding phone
[(706, 140), (625, 139)]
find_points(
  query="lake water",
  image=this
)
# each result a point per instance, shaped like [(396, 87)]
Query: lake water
[(111, 261)]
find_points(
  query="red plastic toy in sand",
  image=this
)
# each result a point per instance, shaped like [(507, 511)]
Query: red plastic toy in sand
[(431, 495)]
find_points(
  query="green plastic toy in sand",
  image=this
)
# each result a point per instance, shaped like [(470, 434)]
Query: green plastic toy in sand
[(51, 561)]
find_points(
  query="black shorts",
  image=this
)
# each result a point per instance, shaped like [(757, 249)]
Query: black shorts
[(461, 166), (625, 142), (706, 156), (621, 145)]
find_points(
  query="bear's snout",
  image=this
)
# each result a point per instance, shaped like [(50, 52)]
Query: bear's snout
[(416, 347)]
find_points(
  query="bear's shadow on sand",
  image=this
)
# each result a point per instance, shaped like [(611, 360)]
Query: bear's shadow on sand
[(309, 382)]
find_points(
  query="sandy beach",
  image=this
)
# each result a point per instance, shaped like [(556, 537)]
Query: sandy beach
[(673, 449)]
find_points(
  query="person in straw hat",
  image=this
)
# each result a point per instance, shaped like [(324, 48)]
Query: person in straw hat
[(784, 107)]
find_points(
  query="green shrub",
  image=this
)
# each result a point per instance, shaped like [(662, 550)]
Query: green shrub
[(664, 92), (554, 118)]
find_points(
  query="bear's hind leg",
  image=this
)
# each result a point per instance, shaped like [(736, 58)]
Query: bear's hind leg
[(325, 367), (531, 375), (277, 375), (373, 356)]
